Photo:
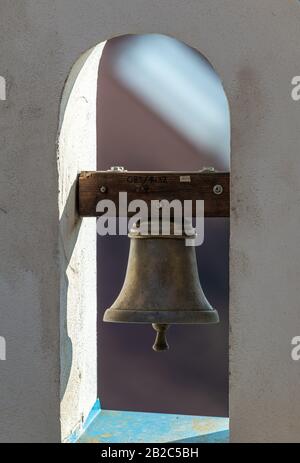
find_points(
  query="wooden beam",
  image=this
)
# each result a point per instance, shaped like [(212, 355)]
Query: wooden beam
[(95, 186)]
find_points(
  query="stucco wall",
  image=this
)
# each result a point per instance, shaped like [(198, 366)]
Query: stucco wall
[(254, 48)]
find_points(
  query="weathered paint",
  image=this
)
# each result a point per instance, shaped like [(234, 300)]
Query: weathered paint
[(135, 427), (73, 438)]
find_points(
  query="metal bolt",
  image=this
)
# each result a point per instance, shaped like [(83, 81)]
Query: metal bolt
[(218, 189), (103, 189), (117, 169), (207, 170)]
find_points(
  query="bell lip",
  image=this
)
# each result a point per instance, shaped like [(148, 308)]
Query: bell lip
[(166, 317)]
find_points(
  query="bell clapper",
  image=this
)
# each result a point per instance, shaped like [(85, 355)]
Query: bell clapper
[(160, 340)]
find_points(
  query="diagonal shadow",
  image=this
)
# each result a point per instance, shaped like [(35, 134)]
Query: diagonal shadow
[(220, 437), (69, 227)]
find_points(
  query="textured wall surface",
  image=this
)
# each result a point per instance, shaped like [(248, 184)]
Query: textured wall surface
[(254, 48)]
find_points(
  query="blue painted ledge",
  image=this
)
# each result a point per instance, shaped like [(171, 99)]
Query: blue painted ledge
[(74, 437), (136, 427)]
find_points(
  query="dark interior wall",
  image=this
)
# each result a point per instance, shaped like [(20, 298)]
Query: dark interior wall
[(192, 377)]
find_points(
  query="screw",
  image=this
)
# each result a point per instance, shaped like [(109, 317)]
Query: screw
[(218, 189), (103, 189), (117, 169), (207, 170)]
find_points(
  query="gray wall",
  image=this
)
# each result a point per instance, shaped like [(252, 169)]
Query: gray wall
[(254, 48)]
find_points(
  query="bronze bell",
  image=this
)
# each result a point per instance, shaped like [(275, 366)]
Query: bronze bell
[(161, 285)]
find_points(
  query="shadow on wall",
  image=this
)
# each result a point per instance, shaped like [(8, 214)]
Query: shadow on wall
[(136, 131), (69, 225)]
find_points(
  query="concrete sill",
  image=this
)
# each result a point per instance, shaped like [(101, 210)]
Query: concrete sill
[(136, 427)]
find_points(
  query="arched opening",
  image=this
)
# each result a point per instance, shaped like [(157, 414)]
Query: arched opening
[(161, 106), (155, 95)]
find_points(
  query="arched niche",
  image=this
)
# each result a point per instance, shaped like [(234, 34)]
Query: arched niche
[(254, 48), (174, 116), (77, 151)]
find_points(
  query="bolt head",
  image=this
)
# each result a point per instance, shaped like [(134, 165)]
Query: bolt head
[(218, 189), (207, 170), (117, 169)]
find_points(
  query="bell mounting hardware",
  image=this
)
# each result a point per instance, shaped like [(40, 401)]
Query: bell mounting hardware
[(162, 285)]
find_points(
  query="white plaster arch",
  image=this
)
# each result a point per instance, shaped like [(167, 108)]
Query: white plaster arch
[(77, 151), (254, 48)]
